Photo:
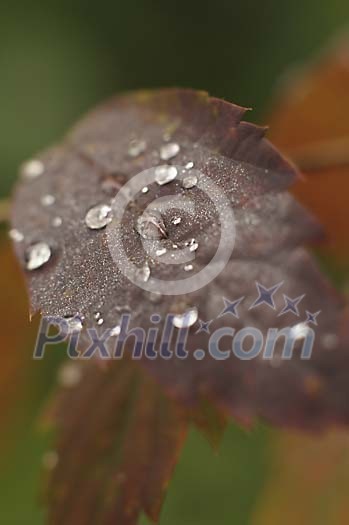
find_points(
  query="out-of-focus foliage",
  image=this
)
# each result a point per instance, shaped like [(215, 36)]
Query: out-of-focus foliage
[(310, 123)]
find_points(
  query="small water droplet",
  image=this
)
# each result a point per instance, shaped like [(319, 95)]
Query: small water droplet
[(176, 220), (189, 165), (114, 332), (98, 217), (188, 267), (187, 319), (16, 235), (165, 174), (100, 321), (75, 323), (160, 252), (47, 200), (145, 189), (143, 273), (300, 331), (57, 222), (193, 245), (69, 375), (37, 255), (169, 151), (189, 181), (32, 169), (150, 225), (136, 147), (97, 315)]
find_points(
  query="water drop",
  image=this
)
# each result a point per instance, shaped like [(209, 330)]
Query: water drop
[(189, 181), (98, 217), (145, 189), (161, 251), (176, 220), (114, 332), (187, 319), (189, 165), (16, 235), (165, 174), (143, 273), (37, 255), (300, 331), (188, 267), (57, 222), (32, 169), (47, 200), (75, 323), (136, 147), (168, 151), (69, 375)]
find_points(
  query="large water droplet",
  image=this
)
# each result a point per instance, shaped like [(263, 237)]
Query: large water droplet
[(98, 217), (165, 174), (168, 151), (37, 255), (187, 319)]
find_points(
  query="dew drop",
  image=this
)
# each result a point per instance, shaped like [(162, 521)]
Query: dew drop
[(75, 323), (188, 267), (16, 235), (47, 200), (143, 273), (145, 189), (169, 151), (32, 169), (114, 332), (165, 174), (136, 147), (57, 222), (37, 255), (69, 375), (189, 181), (300, 331), (187, 319), (176, 220), (189, 165), (98, 217)]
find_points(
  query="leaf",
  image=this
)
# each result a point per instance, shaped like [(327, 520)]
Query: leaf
[(119, 440), (310, 123), (309, 481), (82, 276), (15, 334)]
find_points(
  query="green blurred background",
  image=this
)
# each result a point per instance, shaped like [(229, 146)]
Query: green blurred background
[(58, 60)]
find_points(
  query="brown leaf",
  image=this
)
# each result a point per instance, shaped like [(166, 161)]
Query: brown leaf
[(310, 123), (309, 480), (118, 441), (82, 277)]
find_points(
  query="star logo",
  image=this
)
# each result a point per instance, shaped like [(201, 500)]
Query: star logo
[(204, 327), (231, 307), (291, 305), (311, 318), (266, 295)]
